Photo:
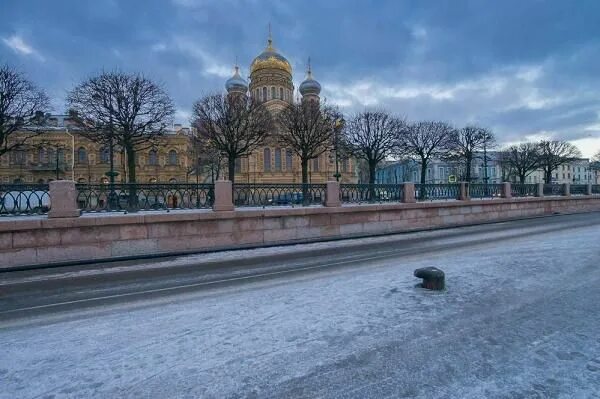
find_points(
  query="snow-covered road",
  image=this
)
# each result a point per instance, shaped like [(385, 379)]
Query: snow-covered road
[(520, 319)]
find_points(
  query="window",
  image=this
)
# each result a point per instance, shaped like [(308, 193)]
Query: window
[(281, 93), (267, 159), (153, 180), (264, 94), (273, 95), (172, 180), (104, 155), (81, 180), (81, 155), (345, 165), (153, 157), (18, 157), (288, 160), (238, 165), (278, 159), (172, 157), (315, 165), (42, 155)]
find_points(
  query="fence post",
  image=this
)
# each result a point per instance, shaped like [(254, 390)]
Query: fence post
[(408, 192), (567, 189), (223, 196), (63, 199), (463, 191), (332, 197), (540, 190), (506, 190), (589, 189)]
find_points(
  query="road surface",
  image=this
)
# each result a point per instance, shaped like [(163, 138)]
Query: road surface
[(520, 319)]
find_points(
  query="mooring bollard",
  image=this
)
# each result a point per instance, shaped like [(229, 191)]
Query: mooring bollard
[(433, 278)]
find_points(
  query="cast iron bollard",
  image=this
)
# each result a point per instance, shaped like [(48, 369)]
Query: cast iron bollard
[(433, 278)]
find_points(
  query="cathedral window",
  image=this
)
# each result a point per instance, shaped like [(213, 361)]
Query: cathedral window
[(278, 159), (267, 159), (172, 157), (315, 167), (288, 160), (81, 155), (273, 95), (281, 93), (104, 155), (264, 96), (152, 158), (238, 165)]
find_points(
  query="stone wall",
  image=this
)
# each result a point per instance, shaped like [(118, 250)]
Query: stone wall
[(42, 240)]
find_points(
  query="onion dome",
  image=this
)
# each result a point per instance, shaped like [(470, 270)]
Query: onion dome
[(236, 83), (270, 59), (310, 85)]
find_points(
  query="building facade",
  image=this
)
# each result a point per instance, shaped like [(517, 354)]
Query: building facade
[(60, 151), (271, 82)]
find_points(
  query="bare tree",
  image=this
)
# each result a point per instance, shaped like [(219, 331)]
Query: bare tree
[(553, 154), (426, 140), (22, 107), (308, 129), (128, 110), (467, 144), (234, 125), (371, 136), (521, 160)]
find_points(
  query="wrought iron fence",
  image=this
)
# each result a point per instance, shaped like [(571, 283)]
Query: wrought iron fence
[(24, 199), (278, 194), (554, 189), (490, 190), (578, 189), (361, 193), (596, 189), (146, 197), (523, 190), (431, 192)]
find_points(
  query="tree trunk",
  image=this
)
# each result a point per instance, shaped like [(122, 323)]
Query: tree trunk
[(133, 199), (422, 191), (231, 169), (548, 176), (372, 170), (304, 164), (522, 178), (468, 162)]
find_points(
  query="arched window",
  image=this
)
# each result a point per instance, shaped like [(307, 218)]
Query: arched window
[(345, 165), (152, 180), (273, 95), (288, 160), (61, 155), (264, 96), (104, 155), (153, 158), (18, 157), (81, 180), (172, 157), (238, 165), (42, 155), (281, 93), (278, 159), (104, 180), (267, 159), (81, 155), (315, 167), (172, 180)]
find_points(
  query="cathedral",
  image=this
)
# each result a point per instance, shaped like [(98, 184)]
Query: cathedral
[(271, 81)]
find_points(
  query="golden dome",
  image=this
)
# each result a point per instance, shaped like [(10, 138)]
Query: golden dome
[(270, 59)]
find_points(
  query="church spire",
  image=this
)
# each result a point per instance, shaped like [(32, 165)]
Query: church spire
[(270, 39)]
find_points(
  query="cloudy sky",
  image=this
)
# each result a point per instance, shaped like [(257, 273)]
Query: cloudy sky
[(525, 68)]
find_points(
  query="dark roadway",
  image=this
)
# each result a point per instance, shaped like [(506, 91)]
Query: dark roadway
[(520, 319)]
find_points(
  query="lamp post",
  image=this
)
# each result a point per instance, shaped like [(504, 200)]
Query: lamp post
[(339, 123)]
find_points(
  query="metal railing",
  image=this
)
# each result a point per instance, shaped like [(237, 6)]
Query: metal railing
[(144, 197), (362, 193), (523, 190), (490, 190), (431, 192), (24, 199), (578, 189), (554, 189), (595, 188), (278, 194)]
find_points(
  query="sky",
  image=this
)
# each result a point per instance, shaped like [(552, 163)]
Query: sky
[(527, 69)]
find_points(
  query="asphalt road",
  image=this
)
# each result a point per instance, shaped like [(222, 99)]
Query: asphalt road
[(520, 319)]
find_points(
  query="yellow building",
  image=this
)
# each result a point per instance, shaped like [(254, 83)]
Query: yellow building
[(271, 82), (60, 152)]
